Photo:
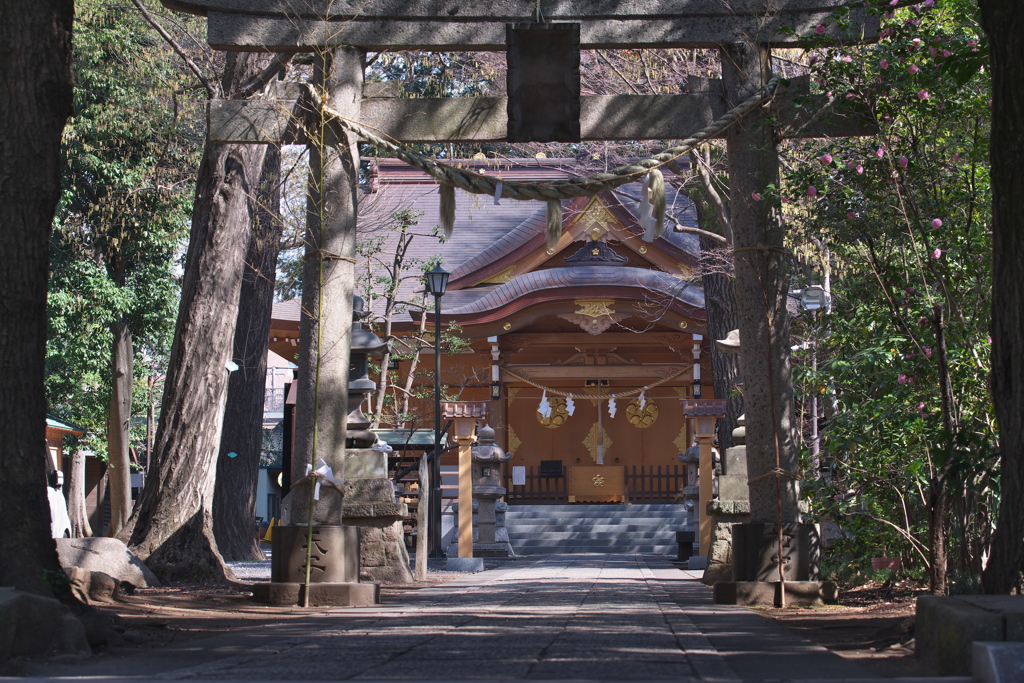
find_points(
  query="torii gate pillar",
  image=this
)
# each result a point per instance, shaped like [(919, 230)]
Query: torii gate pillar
[(328, 275)]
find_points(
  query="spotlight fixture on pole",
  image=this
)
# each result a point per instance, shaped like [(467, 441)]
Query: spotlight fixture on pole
[(436, 283)]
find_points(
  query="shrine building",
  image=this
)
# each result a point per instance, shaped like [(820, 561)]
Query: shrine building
[(614, 321)]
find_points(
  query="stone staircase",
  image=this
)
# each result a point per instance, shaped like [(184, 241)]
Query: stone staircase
[(577, 529)]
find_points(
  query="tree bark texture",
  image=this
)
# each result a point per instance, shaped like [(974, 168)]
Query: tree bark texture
[(35, 101), (328, 277), (122, 360), (172, 526), (761, 287), (234, 498), (720, 306), (1003, 21), (80, 527)]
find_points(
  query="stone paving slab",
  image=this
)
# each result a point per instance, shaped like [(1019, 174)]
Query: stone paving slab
[(560, 618)]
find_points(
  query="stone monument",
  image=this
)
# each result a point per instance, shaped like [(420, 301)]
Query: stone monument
[(490, 538), (370, 501)]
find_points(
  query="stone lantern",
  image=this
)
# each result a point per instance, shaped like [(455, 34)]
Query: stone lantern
[(364, 344), (691, 492), (491, 538)]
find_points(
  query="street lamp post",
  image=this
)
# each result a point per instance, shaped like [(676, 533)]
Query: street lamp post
[(437, 283)]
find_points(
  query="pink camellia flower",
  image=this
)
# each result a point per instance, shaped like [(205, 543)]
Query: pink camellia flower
[(851, 215), (922, 94), (916, 41), (860, 169), (849, 95), (812, 60), (902, 379), (755, 196), (910, 291), (990, 340), (893, 3), (847, 59), (933, 51), (956, 156), (937, 253), (880, 152), (927, 352), (825, 159), (947, 53), (910, 380), (920, 407), (785, 200), (913, 69), (922, 322), (937, 223), (904, 162), (884, 64), (829, 94), (929, 3), (972, 43), (812, 191), (820, 28)]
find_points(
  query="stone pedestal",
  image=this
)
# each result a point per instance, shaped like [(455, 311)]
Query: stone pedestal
[(371, 504), (482, 547), (755, 552), (732, 507), (755, 565), (725, 514)]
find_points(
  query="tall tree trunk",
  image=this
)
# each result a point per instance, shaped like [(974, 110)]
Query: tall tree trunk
[(80, 527), (172, 526), (35, 101), (234, 498), (720, 306), (1004, 23), (122, 361)]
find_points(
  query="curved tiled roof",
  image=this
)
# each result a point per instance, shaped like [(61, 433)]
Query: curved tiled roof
[(576, 281)]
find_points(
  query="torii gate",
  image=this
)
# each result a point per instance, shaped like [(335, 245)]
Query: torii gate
[(745, 31)]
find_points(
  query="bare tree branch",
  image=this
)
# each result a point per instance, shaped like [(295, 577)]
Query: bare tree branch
[(211, 89)]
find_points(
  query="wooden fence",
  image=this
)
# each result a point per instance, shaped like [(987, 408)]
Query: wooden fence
[(644, 484)]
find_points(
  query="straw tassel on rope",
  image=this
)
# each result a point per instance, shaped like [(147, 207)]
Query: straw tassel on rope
[(658, 208), (447, 193), (554, 227)]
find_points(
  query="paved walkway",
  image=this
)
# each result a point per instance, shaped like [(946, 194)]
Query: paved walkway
[(556, 618)]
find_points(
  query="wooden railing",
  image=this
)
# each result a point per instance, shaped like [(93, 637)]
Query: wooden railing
[(654, 484), (644, 484), (538, 490)]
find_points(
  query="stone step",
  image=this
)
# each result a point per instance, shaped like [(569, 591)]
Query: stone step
[(610, 528), (670, 550), (624, 525)]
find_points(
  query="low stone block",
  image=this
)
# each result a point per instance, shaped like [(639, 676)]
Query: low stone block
[(33, 625), (320, 594), (369, 491), (91, 587), (1010, 606), (798, 593), (107, 555), (465, 564), (997, 662), (946, 627), (366, 463)]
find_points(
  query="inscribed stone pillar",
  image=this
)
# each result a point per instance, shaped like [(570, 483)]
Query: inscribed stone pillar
[(761, 286), (328, 273)]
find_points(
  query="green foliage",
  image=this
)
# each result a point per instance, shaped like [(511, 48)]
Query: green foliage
[(905, 219), (130, 150)]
